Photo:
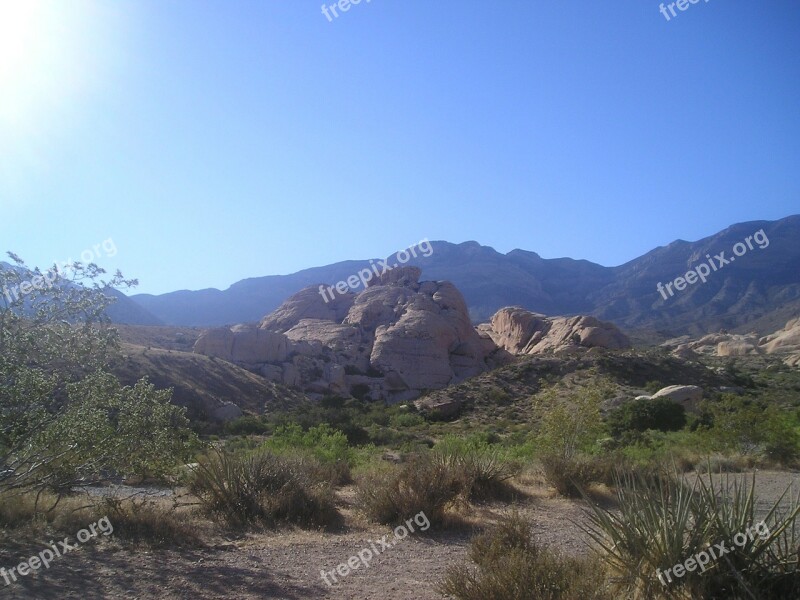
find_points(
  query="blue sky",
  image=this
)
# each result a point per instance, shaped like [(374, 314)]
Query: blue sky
[(214, 141)]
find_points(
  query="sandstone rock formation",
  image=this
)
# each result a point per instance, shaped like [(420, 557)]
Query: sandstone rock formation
[(394, 340), (391, 341), (520, 331), (785, 342)]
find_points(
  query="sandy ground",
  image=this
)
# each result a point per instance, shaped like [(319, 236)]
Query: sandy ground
[(286, 565)]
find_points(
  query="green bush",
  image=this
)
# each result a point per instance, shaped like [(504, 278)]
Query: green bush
[(264, 488), (407, 419), (509, 566), (571, 426), (246, 425), (327, 445), (743, 426), (661, 414), (65, 418)]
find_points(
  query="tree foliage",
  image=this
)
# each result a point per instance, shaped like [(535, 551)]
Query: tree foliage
[(65, 420), (572, 425)]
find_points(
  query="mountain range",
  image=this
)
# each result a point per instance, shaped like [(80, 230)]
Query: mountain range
[(760, 291)]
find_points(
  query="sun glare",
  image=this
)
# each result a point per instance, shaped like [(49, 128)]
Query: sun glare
[(18, 39), (45, 56)]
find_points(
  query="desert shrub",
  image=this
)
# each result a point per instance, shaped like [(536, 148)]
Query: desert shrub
[(498, 396), (723, 464), (658, 525), (349, 416), (780, 432), (264, 488), (523, 451), (510, 566), (20, 509), (741, 425), (65, 418), (661, 414), (150, 523), (571, 426), (739, 377), (142, 522), (424, 484), (485, 468), (570, 476), (327, 445), (246, 425), (407, 419)]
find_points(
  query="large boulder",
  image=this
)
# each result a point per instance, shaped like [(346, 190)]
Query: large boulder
[(687, 395), (785, 341)]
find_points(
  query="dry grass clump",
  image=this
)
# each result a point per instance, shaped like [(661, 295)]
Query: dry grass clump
[(570, 476), (486, 470), (508, 565), (149, 522), (264, 488), (424, 484)]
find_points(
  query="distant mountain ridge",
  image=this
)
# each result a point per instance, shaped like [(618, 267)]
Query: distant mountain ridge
[(123, 310), (761, 290)]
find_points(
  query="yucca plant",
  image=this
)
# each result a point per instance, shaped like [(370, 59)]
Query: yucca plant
[(661, 523), (757, 566), (656, 526)]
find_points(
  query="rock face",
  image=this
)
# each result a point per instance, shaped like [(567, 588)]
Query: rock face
[(243, 344), (522, 332), (687, 395), (785, 342), (227, 411), (391, 341)]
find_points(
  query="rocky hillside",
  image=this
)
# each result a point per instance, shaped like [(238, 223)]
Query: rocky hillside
[(211, 390)]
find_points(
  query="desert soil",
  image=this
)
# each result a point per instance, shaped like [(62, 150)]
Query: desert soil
[(286, 565)]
